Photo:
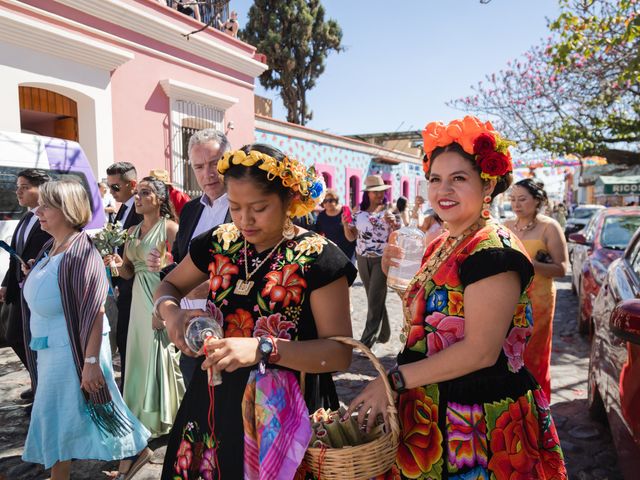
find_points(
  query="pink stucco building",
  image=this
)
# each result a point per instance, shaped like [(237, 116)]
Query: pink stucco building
[(123, 79)]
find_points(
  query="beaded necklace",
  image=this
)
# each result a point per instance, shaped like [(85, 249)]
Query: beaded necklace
[(430, 267), (529, 226)]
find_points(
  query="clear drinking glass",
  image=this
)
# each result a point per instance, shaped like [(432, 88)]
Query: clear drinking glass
[(198, 330)]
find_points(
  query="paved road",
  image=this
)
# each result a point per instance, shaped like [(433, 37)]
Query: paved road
[(587, 444)]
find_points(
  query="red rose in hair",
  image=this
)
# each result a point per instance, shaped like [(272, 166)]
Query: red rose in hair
[(484, 144), (494, 163)]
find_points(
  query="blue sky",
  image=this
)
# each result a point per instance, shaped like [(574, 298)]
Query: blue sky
[(402, 64)]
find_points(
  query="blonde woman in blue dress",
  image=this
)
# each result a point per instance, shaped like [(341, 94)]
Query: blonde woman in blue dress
[(153, 386), (78, 412)]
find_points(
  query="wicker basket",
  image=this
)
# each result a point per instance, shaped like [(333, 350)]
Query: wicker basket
[(362, 461)]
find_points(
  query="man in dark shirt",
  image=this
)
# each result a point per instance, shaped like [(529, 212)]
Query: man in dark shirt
[(27, 240), (122, 180)]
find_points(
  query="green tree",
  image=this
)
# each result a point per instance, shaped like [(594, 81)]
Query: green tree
[(578, 92), (605, 30), (296, 39)]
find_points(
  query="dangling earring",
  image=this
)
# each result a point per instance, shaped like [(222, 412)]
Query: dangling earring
[(485, 213), (289, 230)]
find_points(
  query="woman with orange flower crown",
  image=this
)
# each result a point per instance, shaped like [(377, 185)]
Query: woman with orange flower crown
[(278, 291), (468, 407)]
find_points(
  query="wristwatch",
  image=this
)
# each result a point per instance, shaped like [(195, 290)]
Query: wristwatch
[(396, 380), (268, 351), (91, 360)]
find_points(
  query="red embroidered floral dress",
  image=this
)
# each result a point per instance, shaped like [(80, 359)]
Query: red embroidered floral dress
[(493, 423), (278, 304)]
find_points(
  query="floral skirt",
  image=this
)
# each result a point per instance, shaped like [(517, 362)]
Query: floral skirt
[(490, 424), (194, 451)]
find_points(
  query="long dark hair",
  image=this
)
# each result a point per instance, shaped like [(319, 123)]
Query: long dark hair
[(162, 192), (258, 176), (503, 182), (401, 204), (366, 202)]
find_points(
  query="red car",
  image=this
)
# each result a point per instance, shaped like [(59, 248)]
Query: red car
[(614, 364), (601, 242)]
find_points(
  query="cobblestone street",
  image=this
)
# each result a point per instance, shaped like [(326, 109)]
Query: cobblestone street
[(587, 445)]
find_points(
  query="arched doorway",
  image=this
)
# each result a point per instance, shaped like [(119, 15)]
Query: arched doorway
[(405, 188), (48, 113), (328, 179), (354, 191)]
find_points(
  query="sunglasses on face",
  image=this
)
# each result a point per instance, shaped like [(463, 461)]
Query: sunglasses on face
[(331, 200), (115, 187)]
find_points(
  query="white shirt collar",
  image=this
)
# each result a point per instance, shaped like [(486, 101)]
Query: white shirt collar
[(218, 202), (129, 202)]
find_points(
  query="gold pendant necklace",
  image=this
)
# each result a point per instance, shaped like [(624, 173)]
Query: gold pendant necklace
[(243, 287), (429, 269)]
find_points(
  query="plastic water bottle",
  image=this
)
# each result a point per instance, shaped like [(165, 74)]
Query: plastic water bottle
[(411, 240), (198, 330)]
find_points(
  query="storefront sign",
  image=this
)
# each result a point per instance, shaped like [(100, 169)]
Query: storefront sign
[(622, 189)]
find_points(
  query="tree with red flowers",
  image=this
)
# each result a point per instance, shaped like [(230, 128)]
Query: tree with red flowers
[(578, 92)]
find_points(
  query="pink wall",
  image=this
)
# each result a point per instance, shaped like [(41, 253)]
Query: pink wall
[(141, 125), (388, 179), (141, 109)]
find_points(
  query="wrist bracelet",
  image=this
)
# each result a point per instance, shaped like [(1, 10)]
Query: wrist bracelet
[(163, 298)]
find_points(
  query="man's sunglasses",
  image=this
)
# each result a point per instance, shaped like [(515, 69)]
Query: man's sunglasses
[(115, 187)]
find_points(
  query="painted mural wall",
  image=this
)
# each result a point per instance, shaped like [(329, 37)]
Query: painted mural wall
[(345, 169)]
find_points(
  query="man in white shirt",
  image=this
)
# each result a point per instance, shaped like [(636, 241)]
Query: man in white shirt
[(209, 210)]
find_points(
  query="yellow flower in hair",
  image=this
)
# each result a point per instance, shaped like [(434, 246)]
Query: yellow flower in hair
[(310, 245), (227, 233), (223, 163), (307, 185)]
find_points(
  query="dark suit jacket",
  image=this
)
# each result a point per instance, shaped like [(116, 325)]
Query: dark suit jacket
[(32, 246)]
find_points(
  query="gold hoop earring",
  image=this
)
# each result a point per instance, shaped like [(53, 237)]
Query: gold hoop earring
[(289, 230), (485, 213)]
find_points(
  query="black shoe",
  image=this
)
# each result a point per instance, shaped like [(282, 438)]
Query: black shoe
[(27, 395)]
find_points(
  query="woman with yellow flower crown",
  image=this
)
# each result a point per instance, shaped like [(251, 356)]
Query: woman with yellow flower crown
[(468, 407), (278, 291)]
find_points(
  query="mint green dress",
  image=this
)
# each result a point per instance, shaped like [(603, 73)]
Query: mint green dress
[(153, 387)]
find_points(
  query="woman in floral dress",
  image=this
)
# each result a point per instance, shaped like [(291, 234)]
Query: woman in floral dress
[(374, 222), (270, 283), (468, 407)]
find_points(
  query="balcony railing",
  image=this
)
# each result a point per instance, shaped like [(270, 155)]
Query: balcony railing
[(207, 9)]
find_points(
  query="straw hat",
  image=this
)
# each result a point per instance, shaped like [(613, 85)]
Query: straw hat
[(375, 183), (161, 174)]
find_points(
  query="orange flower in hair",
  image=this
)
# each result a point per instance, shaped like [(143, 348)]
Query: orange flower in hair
[(476, 138)]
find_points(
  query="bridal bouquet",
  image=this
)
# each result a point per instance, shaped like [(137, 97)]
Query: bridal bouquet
[(108, 240)]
